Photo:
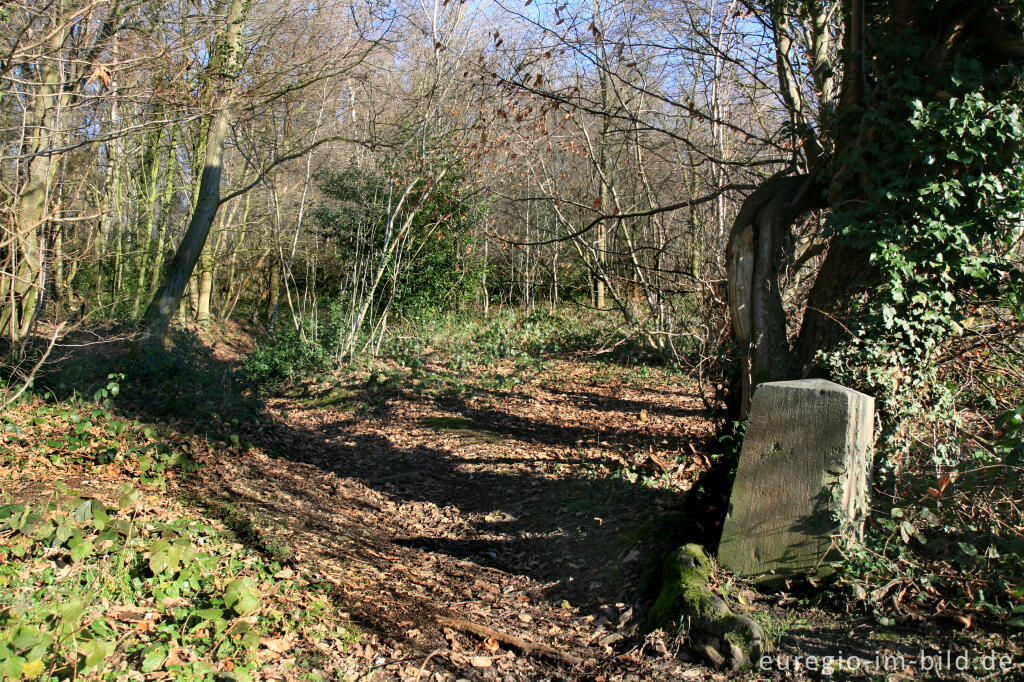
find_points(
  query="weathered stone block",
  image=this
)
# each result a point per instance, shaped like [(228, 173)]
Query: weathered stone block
[(804, 464)]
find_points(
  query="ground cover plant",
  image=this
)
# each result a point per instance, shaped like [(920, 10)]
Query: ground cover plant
[(107, 567), (462, 448)]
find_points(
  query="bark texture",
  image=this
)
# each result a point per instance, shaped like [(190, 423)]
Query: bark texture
[(753, 255), (223, 68)]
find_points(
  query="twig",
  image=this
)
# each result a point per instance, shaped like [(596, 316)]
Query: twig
[(31, 375), (423, 668), (528, 648)]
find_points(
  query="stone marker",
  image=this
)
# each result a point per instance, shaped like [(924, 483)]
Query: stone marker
[(805, 461)]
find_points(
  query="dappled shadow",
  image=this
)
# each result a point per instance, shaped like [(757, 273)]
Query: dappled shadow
[(409, 522), (504, 512), (596, 401), (186, 382), (540, 432)]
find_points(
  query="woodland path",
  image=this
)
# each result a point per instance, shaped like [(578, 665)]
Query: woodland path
[(475, 521), (502, 497)]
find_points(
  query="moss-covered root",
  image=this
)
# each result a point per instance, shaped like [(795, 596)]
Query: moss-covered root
[(716, 632)]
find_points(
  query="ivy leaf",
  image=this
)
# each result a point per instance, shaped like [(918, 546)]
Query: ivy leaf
[(100, 519), (968, 549), (65, 530), (210, 614), (71, 611), (80, 549), (13, 667), (128, 498), (158, 562), (95, 652), (83, 512)]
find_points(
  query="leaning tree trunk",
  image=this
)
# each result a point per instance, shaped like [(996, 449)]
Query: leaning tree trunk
[(223, 70), (165, 303)]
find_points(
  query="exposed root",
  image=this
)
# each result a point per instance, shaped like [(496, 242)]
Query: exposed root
[(716, 632)]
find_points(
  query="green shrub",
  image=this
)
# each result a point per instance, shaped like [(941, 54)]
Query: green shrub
[(286, 354)]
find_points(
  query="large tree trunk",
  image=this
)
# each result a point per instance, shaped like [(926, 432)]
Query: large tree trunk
[(845, 272), (753, 255), (165, 303)]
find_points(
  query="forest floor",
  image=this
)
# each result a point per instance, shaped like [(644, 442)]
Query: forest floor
[(515, 510), (495, 521), (467, 512)]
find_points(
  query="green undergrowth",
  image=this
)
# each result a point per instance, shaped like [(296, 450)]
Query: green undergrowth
[(456, 362), (108, 572), (509, 333), (183, 382), (462, 340), (947, 521)]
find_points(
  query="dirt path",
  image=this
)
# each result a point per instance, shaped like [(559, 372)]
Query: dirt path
[(453, 521)]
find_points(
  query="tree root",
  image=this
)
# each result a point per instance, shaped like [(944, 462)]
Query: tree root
[(716, 632), (511, 641)]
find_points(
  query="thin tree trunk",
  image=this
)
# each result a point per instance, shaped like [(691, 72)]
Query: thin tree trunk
[(274, 292), (205, 294), (158, 316), (162, 222), (150, 189), (27, 252)]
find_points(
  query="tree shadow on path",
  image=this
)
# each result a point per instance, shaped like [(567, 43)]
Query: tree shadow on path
[(409, 522)]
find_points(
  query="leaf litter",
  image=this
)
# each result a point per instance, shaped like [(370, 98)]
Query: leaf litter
[(480, 535)]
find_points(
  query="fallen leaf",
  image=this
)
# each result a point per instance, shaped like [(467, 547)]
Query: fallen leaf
[(145, 626), (178, 656), (480, 662), (174, 602), (277, 644), (129, 614)]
